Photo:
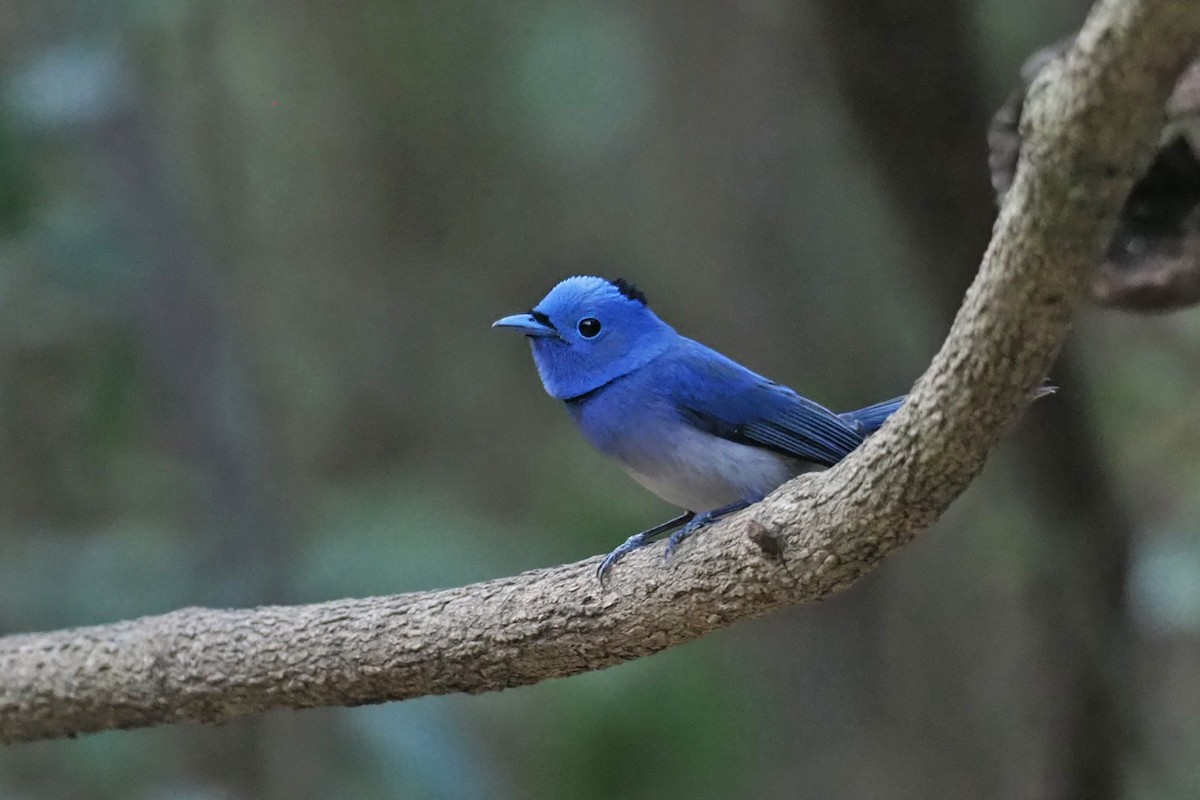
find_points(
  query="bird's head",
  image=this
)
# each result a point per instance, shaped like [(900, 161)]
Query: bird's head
[(588, 332)]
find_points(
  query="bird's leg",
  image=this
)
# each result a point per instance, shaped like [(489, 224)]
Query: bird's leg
[(641, 540), (698, 522)]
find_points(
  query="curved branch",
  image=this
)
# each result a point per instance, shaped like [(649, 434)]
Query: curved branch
[(1089, 124), (1153, 260)]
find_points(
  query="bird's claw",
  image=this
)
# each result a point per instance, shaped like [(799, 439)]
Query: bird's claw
[(634, 542), (639, 540), (678, 536)]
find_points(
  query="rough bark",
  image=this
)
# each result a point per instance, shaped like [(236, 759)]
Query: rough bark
[(890, 60), (1153, 261), (1090, 121)]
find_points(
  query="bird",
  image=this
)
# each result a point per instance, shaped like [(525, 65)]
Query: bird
[(696, 428)]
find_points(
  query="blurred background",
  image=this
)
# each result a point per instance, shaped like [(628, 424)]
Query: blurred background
[(249, 254)]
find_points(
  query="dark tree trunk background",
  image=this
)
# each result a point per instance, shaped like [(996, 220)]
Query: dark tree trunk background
[(311, 194), (909, 74)]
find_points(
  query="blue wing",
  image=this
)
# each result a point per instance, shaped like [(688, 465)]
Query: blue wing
[(724, 398)]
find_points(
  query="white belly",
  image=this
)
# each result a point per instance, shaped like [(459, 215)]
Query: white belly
[(699, 472)]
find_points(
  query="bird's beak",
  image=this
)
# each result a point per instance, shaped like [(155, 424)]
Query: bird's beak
[(526, 324)]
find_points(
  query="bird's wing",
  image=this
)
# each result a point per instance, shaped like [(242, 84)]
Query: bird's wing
[(724, 398)]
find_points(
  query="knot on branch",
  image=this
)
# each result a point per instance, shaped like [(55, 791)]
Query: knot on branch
[(1152, 263)]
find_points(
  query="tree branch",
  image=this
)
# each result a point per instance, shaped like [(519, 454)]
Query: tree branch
[(1089, 124), (1153, 261), (905, 69)]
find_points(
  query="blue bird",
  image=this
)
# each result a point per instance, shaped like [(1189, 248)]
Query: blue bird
[(696, 428)]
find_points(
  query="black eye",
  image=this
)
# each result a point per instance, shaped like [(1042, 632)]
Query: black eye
[(589, 327)]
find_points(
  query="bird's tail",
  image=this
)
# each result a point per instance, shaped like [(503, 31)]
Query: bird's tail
[(872, 418)]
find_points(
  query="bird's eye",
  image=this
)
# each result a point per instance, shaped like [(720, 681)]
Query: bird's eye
[(589, 327)]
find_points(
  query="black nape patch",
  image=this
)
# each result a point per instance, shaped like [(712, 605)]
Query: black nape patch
[(543, 319), (629, 290)]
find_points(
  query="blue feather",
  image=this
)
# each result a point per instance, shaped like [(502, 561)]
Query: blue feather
[(872, 417), (696, 428), (721, 397)]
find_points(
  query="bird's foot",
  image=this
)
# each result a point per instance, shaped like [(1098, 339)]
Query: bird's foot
[(698, 522), (639, 540), (678, 536), (634, 542)]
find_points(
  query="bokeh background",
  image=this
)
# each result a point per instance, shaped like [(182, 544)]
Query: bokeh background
[(249, 254)]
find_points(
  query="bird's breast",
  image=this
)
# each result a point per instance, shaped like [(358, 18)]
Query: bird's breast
[(698, 471), (685, 466)]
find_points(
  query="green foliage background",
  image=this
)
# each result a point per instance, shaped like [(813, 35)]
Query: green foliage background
[(249, 253)]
